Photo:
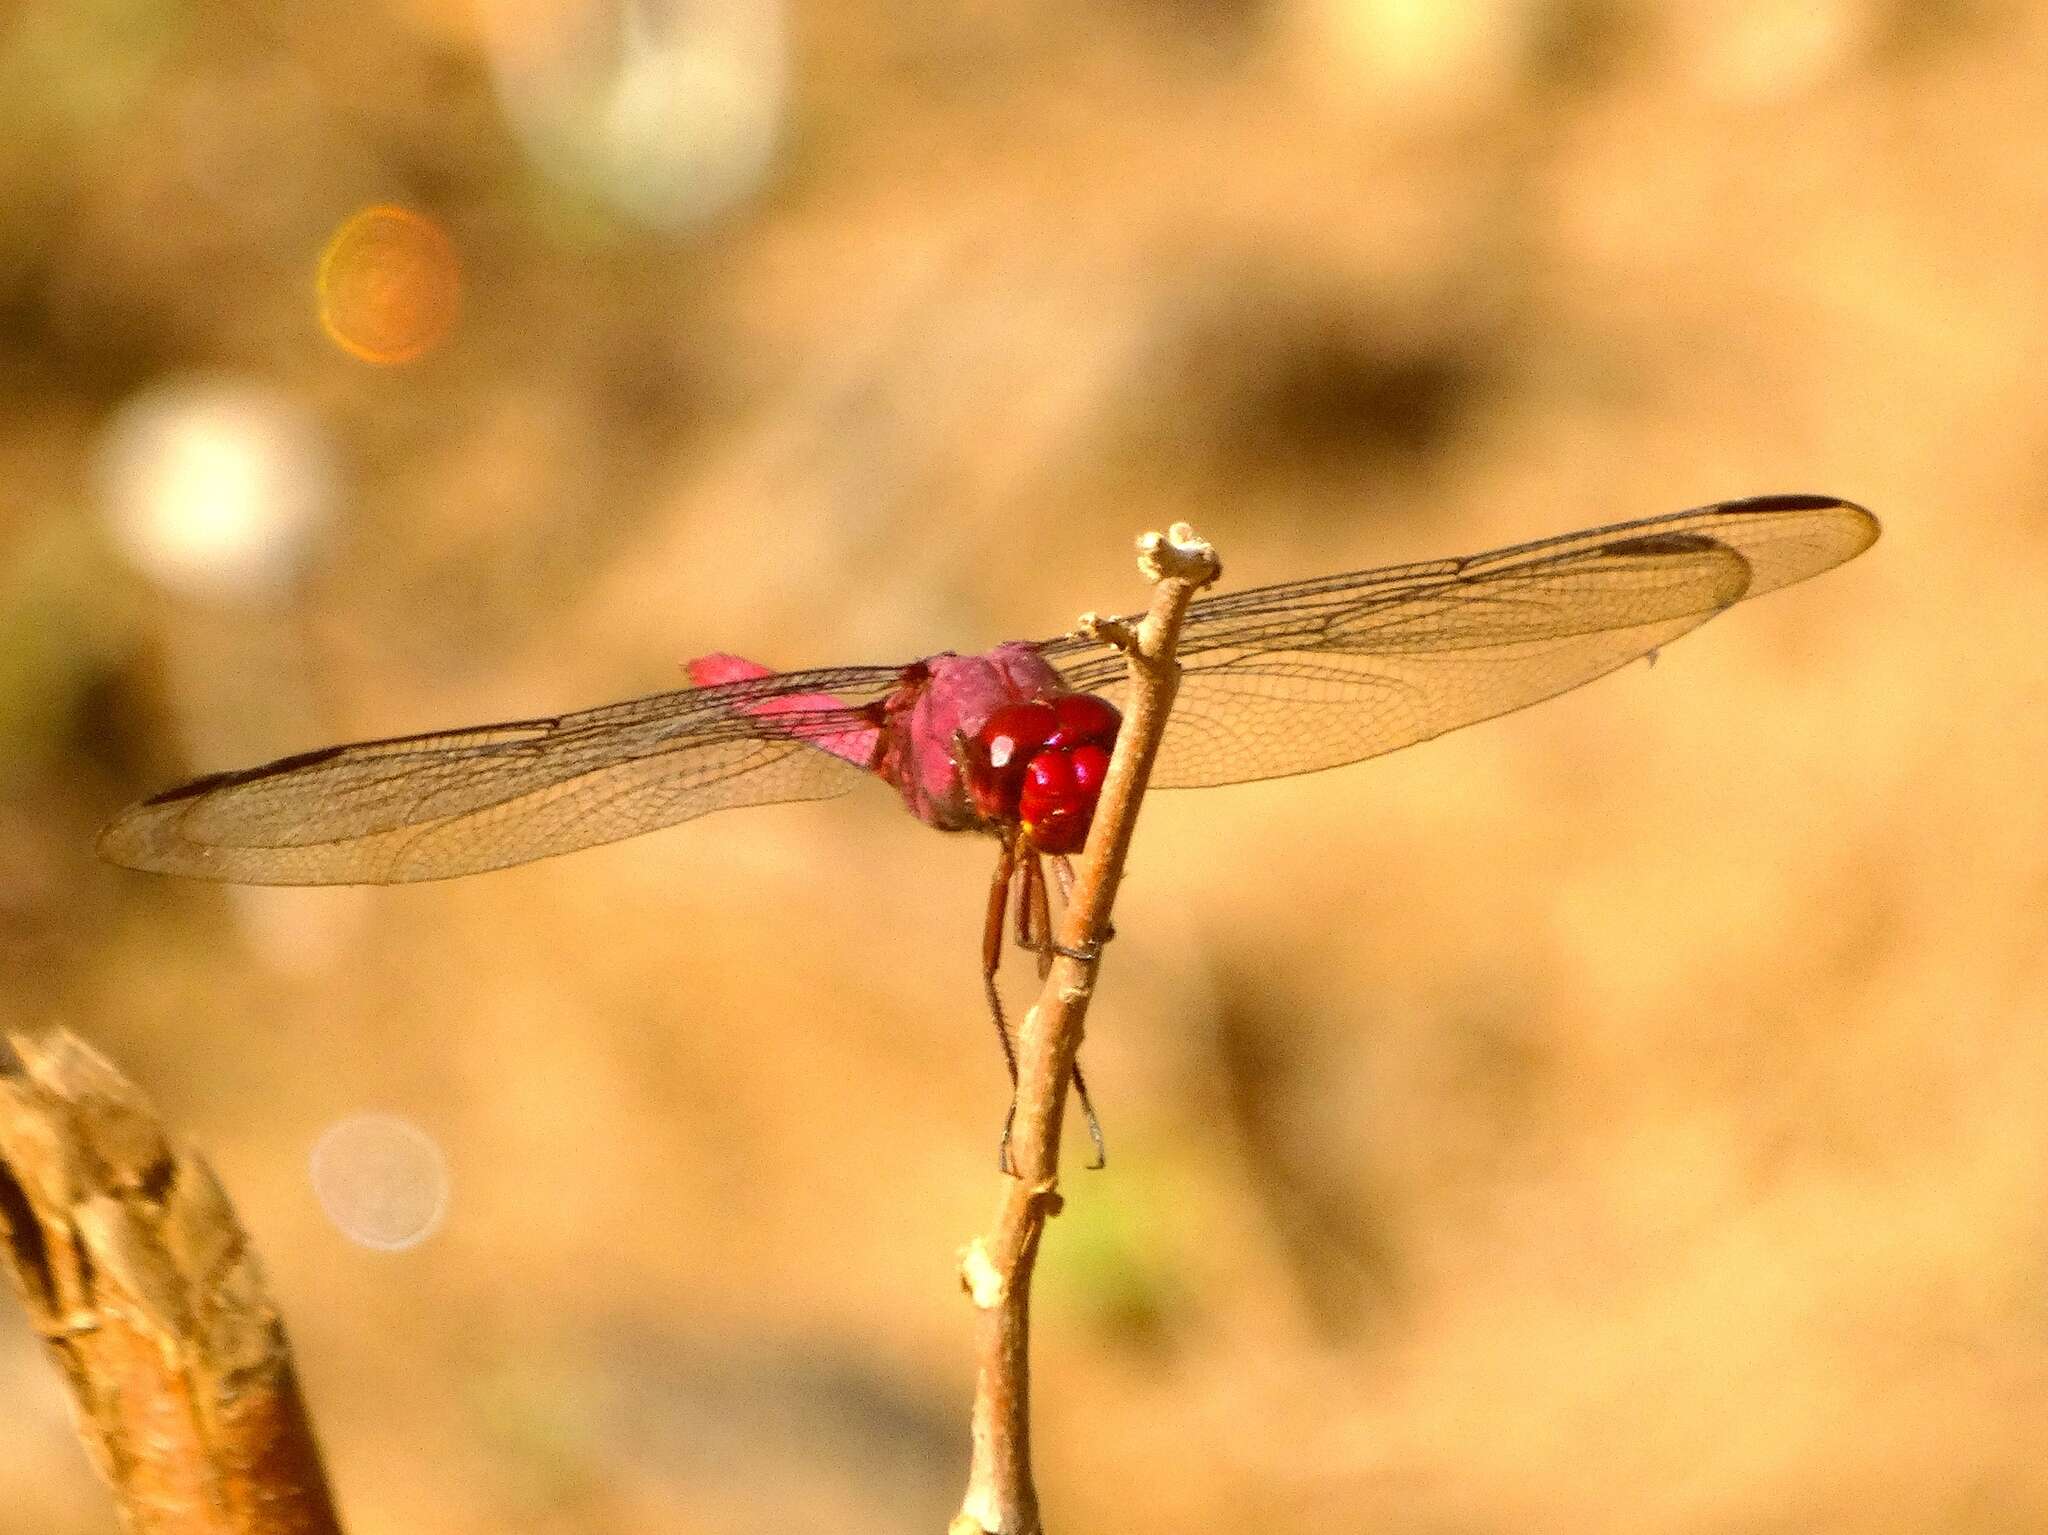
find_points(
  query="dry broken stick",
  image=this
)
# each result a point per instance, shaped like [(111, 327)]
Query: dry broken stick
[(141, 1282), (996, 1270)]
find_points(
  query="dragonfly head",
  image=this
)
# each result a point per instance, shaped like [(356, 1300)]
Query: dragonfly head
[(1040, 765)]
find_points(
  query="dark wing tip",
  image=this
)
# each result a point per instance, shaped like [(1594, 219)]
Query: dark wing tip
[(1661, 543), (200, 787), (1794, 501), (1801, 501), (1783, 539), (137, 837), (1819, 533), (144, 836)]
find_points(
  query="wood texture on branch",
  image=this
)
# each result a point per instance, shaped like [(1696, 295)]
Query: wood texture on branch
[(144, 1289), (996, 1270)]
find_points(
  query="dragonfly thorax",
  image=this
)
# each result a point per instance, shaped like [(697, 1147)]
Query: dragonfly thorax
[(996, 742)]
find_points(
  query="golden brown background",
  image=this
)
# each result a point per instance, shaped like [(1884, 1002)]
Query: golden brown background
[(1630, 1116)]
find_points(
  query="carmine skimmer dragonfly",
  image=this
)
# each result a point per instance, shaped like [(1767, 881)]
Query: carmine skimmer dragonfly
[(1284, 679)]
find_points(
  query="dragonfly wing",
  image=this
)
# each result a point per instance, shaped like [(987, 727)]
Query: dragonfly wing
[(463, 801), (1315, 674)]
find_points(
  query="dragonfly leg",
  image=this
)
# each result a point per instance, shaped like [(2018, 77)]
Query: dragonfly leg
[(1094, 1125), (1063, 869), (991, 960), (1034, 931), (1034, 912)]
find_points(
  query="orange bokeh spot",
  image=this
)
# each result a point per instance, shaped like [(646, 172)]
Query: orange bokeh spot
[(390, 285)]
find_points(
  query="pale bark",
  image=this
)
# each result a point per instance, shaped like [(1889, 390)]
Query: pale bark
[(143, 1286), (996, 1269)]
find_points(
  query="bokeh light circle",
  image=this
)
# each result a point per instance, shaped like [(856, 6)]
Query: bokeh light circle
[(215, 486), (390, 285), (668, 115), (381, 1179)]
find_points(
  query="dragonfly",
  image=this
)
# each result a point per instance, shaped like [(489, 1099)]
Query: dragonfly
[(1014, 742)]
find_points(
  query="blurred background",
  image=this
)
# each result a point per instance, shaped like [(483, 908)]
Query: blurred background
[(1628, 1116)]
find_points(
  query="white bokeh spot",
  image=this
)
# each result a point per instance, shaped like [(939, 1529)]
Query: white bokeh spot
[(382, 1180), (214, 486)]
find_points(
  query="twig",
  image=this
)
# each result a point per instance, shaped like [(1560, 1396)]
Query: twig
[(141, 1282), (996, 1269)]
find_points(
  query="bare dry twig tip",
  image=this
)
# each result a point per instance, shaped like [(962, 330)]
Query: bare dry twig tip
[(1107, 631), (1178, 554)]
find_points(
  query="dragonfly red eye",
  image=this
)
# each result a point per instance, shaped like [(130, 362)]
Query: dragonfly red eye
[(1014, 732), (1084, 718), (1048, 781), (1057, 800), (1002, 747), (1091, 766)]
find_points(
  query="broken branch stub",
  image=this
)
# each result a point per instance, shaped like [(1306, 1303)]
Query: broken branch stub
[(149, 1300)]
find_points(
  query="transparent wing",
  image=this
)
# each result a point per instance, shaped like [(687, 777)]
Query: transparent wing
[(462, 801), (1314, 674)]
